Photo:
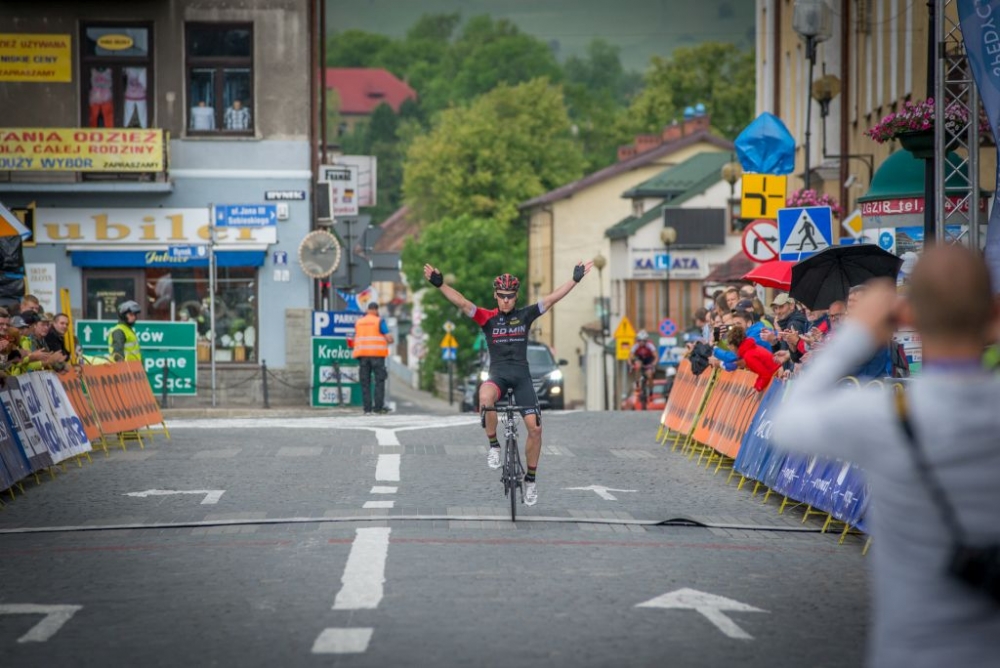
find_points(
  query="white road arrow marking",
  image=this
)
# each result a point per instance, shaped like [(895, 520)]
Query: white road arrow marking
[(212, 496), (55, 617), (709, 605), (602, 492)]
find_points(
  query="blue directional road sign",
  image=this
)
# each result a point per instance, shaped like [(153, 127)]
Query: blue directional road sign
[(804, 231), (886, 241), (246, 215), (334, 323), (187, 252)]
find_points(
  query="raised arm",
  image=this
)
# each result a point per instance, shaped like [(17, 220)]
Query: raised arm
[(579, 271), (451, 294)]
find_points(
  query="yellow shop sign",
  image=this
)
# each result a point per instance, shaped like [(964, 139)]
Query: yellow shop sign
[(115, 42), (35, 58), (81, 150)]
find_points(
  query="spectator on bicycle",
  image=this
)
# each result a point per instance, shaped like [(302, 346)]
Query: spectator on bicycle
[(506, 329), (643, 357)]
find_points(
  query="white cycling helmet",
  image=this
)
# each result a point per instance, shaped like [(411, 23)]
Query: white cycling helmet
[(642, 335)]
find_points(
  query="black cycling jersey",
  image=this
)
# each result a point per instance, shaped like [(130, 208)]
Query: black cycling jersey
[(507, 333)]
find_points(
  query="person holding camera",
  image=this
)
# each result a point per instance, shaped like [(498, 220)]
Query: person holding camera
[(931, 455)]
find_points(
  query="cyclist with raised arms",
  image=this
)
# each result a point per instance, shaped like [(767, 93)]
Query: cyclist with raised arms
[(506, 329)]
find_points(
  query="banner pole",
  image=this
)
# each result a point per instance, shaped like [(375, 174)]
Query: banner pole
[(211, 292)]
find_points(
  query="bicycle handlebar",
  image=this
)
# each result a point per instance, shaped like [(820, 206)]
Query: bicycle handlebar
[(504, 407)]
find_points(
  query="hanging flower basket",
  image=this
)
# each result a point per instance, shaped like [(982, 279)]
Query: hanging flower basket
[(809, 197), (918, 142), (915, 121)]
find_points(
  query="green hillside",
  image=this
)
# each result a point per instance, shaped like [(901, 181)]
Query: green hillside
[(641, 28)]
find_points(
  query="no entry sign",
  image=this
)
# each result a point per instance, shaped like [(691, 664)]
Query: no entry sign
[(760, 241)]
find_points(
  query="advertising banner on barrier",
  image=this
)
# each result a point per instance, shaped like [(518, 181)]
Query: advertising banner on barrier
[(14, 464), (33, 391), (24, 429), (756, 449), (67, 425)]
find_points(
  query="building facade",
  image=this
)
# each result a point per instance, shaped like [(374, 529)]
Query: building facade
[(568, 225), (151, 114)]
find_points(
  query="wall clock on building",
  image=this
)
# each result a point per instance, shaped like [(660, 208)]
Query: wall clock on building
[(319, 254)]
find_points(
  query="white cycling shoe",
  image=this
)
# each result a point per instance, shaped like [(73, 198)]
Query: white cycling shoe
[(530, 493), (493, 459)]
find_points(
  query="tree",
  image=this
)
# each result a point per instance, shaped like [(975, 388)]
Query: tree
[(510, 145), (719, 75), (356, 48), (474, 251), (487, 53)]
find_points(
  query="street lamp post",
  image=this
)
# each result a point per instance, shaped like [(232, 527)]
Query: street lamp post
[(599, 264), (813, 21), (668, 236)]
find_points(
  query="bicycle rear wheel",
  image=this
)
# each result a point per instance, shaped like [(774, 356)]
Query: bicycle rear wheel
[(510, 465)]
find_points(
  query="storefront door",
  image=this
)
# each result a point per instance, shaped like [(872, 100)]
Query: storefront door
[(105, 290)]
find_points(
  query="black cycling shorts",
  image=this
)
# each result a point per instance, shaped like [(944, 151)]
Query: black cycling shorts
[(518, 379)]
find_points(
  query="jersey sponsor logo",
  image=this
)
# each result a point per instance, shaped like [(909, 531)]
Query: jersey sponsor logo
[(506, 332)]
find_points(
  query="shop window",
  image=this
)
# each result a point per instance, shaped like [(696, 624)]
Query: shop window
[(116, 81), (181, 295), (220, 78)]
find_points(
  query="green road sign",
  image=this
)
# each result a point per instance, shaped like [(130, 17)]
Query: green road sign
[(326, 392), (170, 344)]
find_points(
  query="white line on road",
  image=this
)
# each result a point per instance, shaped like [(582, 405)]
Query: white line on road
[(377, 489), (386, 437), (603, 492), (55, 617), (379, 504), (387, 468), (212, 496), (342, 641), (364, 575)]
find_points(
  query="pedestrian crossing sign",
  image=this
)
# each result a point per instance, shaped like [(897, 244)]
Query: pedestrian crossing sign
[(804, 231)]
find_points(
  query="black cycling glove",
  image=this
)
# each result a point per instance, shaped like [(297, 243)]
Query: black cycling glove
[(578, 273), (436, 279)]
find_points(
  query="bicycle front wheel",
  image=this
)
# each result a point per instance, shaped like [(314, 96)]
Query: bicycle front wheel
[(511, 466)]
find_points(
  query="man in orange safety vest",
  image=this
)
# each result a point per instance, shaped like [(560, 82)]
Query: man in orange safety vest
[(371, 347)]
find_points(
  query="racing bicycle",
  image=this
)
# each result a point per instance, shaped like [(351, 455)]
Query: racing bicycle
[(511, 471)]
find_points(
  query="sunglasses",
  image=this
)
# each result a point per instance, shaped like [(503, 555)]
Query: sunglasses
[(507, 296)]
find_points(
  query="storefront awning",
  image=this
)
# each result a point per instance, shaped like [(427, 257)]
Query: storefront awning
[(161, 258)]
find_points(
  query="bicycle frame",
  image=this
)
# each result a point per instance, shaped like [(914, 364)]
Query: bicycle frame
[(512, 472)]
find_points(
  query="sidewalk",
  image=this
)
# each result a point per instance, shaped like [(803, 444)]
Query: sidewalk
[(399, 395)]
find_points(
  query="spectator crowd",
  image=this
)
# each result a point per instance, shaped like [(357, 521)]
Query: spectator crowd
[(738, 332), (31, 339)]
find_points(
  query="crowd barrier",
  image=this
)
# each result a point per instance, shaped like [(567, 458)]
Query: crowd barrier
[(720, 417), (47, 418)]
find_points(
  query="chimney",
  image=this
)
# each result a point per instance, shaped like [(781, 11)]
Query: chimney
[(626, 152), (696, 124), (672, 132), (645, 143)]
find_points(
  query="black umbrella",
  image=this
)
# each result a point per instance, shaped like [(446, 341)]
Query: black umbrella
[(827, 276)]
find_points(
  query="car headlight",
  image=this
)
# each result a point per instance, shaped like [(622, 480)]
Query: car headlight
[(556, 375), (555, 390), (484, 376)]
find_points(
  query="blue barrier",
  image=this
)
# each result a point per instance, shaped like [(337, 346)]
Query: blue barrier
[(831, 486), (38, 427)]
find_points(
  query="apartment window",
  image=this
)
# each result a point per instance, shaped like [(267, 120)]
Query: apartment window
[(220, 78), (116, 81)]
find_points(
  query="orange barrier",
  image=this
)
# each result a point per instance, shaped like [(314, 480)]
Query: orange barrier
[(142, 394), (728, 412), (686, 398), (71, 382)]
